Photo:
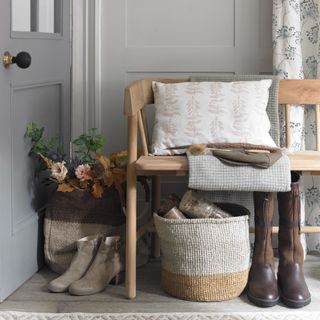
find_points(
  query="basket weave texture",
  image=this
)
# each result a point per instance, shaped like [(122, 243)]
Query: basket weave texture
[(74, 215), (204, 259)]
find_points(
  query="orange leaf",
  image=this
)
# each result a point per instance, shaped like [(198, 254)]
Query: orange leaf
[(64, 187), (120, 158), (89, 175), (48, 162), (74, 183), (103, 160), (119, 175), (99, 170), (83, 184), (97, 190)]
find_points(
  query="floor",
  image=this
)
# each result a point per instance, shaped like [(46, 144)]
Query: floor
[(34, 296)]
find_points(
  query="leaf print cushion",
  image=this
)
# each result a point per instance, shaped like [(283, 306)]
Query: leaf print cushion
[(210, 112)]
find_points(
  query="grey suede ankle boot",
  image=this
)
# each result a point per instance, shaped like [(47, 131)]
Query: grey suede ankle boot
[(105, 267), (87, 249)]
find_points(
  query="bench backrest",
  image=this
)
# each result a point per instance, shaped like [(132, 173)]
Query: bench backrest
[(291, 92)]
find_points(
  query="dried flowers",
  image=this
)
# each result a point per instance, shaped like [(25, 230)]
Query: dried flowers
[(89, 170)]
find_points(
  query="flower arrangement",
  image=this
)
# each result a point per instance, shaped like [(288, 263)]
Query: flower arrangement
[(89, 170)]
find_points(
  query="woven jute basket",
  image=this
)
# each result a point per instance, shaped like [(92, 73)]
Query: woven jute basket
[(74, 215), (204, 259)]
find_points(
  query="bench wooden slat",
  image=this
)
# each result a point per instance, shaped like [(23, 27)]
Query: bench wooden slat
[(288, 128), (145, 125), (142, 131), (317, 127), (162, 165), (305, 161), (299, 92)]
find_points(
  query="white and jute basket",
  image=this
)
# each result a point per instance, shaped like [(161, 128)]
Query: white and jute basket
[(204, 259)]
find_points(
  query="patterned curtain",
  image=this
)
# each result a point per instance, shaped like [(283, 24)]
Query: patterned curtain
[(296, 55)]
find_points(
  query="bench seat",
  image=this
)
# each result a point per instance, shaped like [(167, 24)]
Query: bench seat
[(306, 162)]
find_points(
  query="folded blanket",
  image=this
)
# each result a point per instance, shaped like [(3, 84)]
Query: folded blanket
[(208, 173)]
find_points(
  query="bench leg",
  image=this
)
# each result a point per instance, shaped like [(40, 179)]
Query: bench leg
[(131, 238), (131, 221), (156, 193)]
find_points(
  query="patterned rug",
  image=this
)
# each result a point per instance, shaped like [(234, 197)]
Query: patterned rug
[(299, 315)]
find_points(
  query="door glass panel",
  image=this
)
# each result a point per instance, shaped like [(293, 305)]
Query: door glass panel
[(46, 16), (21, 15), (36, 15)]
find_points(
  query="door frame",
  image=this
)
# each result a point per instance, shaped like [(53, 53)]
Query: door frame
[(85, 66)]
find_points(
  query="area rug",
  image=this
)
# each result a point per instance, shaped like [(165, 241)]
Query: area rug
[(298, 315)]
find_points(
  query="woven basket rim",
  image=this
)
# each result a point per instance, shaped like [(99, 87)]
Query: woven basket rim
[(200, 220)]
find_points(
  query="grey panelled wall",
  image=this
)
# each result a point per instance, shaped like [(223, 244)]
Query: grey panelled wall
[(145, 38), (174, 38)]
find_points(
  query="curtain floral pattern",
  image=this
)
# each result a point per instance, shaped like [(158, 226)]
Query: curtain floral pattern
[(296, 55)]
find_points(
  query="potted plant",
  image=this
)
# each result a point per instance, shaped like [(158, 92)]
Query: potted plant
[(88, 197)]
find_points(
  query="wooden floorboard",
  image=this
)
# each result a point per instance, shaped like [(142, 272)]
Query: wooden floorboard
[(33, 296)]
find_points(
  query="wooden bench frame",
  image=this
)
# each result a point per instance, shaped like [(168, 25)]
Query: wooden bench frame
[(140, 94)]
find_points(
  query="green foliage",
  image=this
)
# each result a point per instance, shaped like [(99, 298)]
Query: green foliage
[(87, 145), (39, 143)]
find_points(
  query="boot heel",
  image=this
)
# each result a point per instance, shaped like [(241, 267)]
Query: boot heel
[(118, 279)]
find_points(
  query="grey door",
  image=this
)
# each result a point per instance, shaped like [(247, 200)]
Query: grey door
[(40, 93)]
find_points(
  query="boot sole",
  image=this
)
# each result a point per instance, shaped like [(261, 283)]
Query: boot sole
[(87, 292), (263, 303), (295, 304), (57, 290), (84, 292)]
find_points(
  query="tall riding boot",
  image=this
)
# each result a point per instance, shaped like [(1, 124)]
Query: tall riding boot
[(293, 288), (262, 284), (87, 248), (105, 267)]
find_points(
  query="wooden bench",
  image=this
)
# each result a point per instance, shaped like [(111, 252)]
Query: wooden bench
[(137, 96)]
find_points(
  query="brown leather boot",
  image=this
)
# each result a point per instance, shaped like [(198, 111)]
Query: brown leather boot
[(293, 288), (262, 287)]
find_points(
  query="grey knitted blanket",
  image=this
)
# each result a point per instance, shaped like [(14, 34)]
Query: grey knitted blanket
[(209, 174)]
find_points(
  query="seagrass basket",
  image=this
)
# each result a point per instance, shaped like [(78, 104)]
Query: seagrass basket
[(205, 259)]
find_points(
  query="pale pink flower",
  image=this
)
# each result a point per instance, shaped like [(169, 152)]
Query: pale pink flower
[(59, 171), (82, 171)]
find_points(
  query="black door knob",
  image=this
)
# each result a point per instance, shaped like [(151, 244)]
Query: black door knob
[(22, 60)]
